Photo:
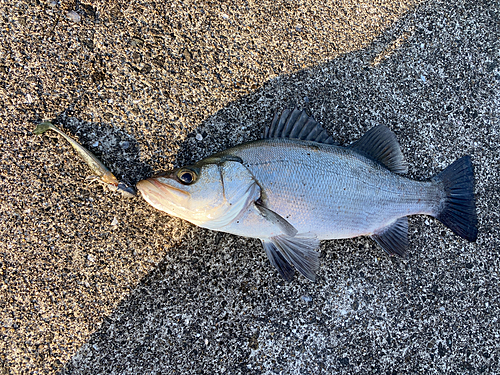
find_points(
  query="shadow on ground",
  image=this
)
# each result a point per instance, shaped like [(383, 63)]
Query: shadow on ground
[(215, 305)]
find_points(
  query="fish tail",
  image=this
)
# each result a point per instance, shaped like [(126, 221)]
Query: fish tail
[(458, 210)]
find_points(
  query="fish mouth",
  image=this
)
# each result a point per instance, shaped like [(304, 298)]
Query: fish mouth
[(165, 187), (160, 195), (154, 186)]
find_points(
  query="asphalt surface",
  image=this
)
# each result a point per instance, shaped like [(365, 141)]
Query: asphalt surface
[(91, 283)]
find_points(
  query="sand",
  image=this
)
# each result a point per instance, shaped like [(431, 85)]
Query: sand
[(94, 284)]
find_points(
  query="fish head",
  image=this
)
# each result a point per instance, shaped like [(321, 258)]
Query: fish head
[(210, 193)]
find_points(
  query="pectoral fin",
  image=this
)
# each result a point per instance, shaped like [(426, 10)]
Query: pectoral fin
[(300, 251), (289, 248), (276, 219)]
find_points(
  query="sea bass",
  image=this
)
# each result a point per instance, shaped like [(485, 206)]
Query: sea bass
[(296, 187)]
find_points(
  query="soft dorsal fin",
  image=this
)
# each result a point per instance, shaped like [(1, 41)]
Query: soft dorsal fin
[(296, 124), (380, 144)]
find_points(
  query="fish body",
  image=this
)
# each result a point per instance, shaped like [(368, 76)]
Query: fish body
[(330, 191), (296, 187)]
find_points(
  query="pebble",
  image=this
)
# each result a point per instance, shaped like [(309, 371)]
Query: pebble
[(306, 298), (73, 16), (125, 144)]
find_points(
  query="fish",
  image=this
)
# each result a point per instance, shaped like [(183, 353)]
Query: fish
[(102, 173), (296, 186)]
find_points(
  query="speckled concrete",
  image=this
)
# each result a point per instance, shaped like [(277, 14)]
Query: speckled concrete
[(94, 284)]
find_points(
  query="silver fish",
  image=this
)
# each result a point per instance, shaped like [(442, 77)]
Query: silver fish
[(296, 187)]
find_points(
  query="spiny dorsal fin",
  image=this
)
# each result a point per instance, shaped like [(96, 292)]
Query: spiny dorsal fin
[(296, 124), (394, 238), (380, 144)]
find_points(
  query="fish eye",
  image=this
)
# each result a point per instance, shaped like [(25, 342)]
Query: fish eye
[(186, 176)]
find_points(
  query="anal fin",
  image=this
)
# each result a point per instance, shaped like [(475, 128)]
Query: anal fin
[(394, 238)]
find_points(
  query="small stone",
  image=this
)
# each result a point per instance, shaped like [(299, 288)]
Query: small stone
[(95, 144), (306, 298), (199, 137), (125, 144), (114, 222), (73, 16)]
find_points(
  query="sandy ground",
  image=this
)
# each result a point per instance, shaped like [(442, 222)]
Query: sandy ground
[(93, 284)]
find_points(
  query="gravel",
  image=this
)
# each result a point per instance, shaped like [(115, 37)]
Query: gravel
[(91, 283)]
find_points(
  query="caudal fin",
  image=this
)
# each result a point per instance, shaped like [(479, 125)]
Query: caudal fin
[(459, 209)]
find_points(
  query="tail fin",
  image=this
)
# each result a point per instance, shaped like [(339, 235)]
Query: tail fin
[(459, 209)]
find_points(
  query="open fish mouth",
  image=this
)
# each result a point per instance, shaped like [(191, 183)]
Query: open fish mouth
[(152, 183)]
